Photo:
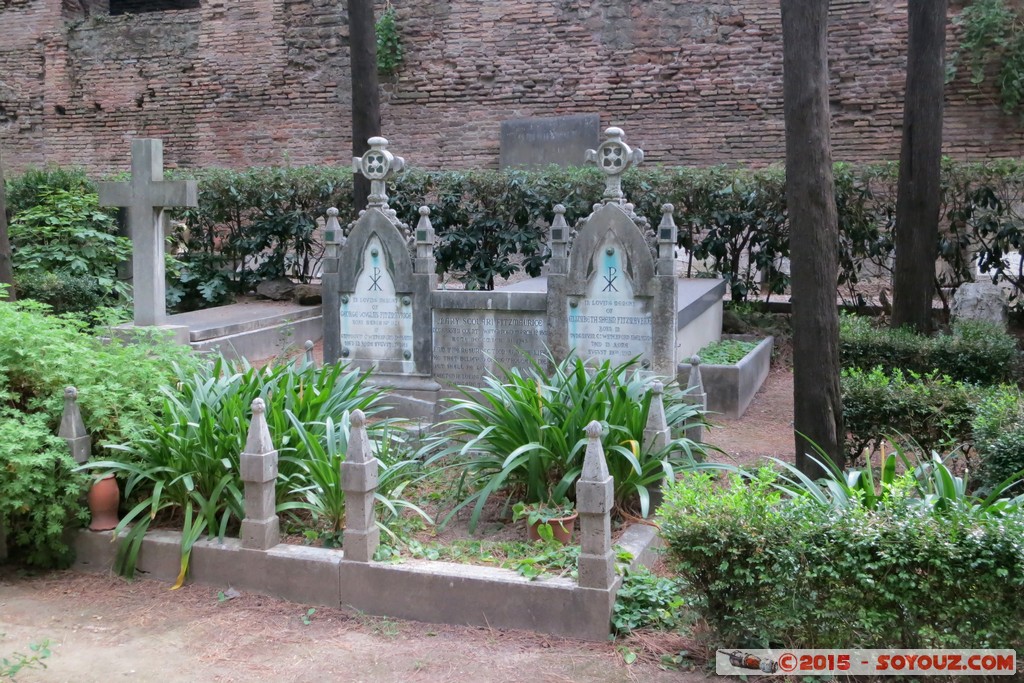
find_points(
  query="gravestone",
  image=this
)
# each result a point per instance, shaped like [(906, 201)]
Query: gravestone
[(145, 198), (982, 301), (376, 295), (538, 142), (609, 299)]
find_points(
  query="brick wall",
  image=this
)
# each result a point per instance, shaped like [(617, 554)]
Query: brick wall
[(245, 82)]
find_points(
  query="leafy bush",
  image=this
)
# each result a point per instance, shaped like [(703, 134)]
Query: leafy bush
[(62, 291), (524, 433), (646, 600), (878, 405), (765, 570), (974, 352), (998, 432), (66, 233), (118, 383), (39, 495), (25, 191)]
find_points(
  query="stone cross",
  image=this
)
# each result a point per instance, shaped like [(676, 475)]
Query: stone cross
[(378, 165), (614, 157), (261, 528), (145, 198), (594, 505)]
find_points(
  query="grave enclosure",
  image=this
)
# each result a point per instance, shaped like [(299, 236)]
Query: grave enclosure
[(608, 293)]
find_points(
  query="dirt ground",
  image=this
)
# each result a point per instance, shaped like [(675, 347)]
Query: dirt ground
[(103, 629)]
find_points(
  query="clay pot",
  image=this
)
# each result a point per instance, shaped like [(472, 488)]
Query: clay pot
[(104, 497), (561, 528)]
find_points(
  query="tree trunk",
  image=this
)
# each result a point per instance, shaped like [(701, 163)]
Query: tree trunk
[(6, 266), (814, 234), (362, 31), (918, 190)]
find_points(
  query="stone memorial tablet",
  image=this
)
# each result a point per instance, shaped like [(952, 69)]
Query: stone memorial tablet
[(469, 343), (538, 142)]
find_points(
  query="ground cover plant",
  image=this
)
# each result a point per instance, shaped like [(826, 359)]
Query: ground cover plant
[(772, 558), (521, 435), (726, 351)]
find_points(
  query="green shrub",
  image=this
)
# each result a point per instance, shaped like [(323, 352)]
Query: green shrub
[(66, 233), (974, 352), (767, 571), (26, 190), (934, 409), (523, 433), (62, 291), (39, 494), (998, 432), (646, 600)]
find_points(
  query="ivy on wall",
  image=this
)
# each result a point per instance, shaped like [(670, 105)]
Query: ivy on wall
[(389, 43), (992, 47)]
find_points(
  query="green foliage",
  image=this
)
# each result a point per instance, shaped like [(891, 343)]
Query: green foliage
[(878, 405), (531, 560), (992, 40), (389, 42), (62, 291), (66, 234), (24, 191), (998, 432), (247, 225), (975, 351), (523, 433), (39, 651), (646, 600), (726, 351), (118, 383), (39, 494), (767, 570)]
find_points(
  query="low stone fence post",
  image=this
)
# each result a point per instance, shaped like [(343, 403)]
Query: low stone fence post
[(594, 504), (72, 428), (656, 432), (359, 482), (696, 395), (261, 529)]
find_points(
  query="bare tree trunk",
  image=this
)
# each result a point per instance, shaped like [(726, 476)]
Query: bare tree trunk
[(6, 266), (814, 233), (919, 189), (362, 31)]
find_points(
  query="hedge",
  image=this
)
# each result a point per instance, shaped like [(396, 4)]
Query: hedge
[(492, 224)]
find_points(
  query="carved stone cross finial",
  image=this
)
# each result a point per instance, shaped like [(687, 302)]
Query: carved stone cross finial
[(146, 197), (378, 165), (614, 157)]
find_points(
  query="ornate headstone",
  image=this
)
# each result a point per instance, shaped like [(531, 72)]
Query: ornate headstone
[(613, 301), (376, 294), (145, 198)]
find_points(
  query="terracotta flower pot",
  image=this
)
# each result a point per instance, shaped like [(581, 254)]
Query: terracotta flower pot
[(104, 497), (561, 528)]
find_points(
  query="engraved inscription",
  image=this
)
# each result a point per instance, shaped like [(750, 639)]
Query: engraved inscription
[(376, 324), (468, 343)]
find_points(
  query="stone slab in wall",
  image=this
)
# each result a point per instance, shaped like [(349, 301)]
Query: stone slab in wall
[(542, 141)]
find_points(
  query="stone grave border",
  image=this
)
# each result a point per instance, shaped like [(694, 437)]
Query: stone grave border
[(731, 388), (421, 590)]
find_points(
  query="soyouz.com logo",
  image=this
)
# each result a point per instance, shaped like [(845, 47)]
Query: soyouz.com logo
[(867, 662)]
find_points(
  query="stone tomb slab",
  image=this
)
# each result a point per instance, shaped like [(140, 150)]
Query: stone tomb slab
[(539, 142)]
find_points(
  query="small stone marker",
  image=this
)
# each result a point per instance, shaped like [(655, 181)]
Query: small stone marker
[(594, 504), (146, 197), (656, 431), (696, 395), (359, 482), (982, 300), (72, 428), (258, 469)]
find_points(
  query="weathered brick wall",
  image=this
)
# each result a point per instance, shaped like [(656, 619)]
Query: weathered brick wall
[(244, 82)]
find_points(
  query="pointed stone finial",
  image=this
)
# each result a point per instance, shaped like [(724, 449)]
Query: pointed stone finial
[(424, 228), (595, 467), (656, 431), (359, 477), (72, 427), (378, 165), (667, 229), (695, 379), (258, 440), (559, 228), (334, 235), (309, 351), (614, 157)]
